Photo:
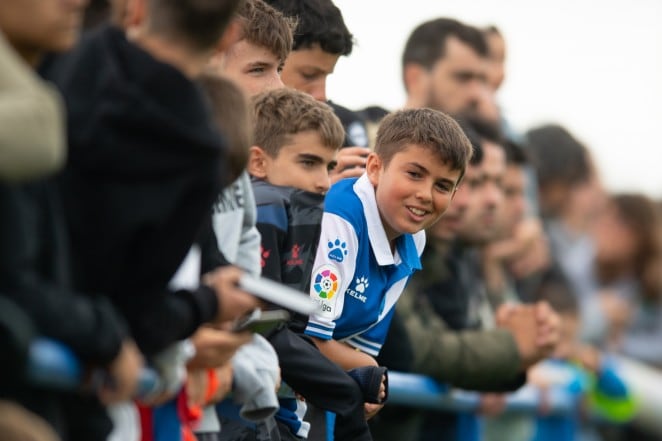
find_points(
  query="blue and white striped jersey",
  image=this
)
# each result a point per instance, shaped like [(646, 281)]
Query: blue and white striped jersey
[(356, 278)]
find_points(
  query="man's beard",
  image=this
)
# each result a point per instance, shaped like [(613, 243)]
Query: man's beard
[(471, 110)]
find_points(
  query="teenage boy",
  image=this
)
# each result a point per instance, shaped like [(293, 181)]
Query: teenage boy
[(373, 232), (256, 60), (320, 39), (253, 63), (296, 139)]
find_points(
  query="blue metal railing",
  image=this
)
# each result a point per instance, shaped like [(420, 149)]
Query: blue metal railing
[(52, 364), (423, 392)]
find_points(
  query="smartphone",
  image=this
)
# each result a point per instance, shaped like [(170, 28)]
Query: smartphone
[(262, 322)]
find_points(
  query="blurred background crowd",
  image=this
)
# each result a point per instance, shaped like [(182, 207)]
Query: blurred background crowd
[(100, 206)]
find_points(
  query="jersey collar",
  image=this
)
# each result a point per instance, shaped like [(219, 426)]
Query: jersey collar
[(405, 245)]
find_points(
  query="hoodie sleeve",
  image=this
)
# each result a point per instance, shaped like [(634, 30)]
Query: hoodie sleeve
[(32, 273), (248, 255), (176, 317)]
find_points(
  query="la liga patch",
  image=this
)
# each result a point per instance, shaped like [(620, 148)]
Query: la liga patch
[(326, 282)]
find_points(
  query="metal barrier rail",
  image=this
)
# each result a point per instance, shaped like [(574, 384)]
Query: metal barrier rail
[(54, 365), (423, 392)]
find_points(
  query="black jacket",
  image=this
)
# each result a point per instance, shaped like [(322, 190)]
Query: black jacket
[(145, 164), (289, 221), (35, 273)]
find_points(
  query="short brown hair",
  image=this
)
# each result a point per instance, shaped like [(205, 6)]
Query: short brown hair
[(230, 112), (427, 128), (264, 26), (283, 112), (200, 23)]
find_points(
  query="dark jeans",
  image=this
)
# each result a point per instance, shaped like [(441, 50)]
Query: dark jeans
[(322, 383), (234, 430)]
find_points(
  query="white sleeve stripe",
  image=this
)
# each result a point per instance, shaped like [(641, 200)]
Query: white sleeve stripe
[(367, 343), (313, 321), (319, 333), (367, 349), (320, 328)]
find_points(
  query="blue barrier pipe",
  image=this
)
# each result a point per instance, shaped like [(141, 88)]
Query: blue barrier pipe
[(423, 392), (52, 364)]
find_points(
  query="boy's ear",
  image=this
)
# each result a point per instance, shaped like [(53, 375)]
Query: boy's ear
[(257, 162), (417, 83), (373, 168)]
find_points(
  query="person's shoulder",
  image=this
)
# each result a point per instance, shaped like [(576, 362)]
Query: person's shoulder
[(341, 190), (343, 200), (269, 194)]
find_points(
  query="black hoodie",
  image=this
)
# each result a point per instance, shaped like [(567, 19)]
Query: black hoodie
[(145, 164)]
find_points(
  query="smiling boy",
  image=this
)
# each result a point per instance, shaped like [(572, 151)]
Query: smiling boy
[(373, 231)]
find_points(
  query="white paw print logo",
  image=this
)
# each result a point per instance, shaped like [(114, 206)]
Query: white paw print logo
[(361, 284)]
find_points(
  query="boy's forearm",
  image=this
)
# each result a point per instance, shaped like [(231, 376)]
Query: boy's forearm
[(343, 355)]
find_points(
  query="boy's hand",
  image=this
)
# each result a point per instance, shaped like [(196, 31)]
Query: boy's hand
[(382, 389), (370, 410), (536, 329), (123, 375), (350, 163), (214, 347), (548, 328), (492, 404), (616, 310), (521, 322), (224, 375), (233, 302), (196, 387), (590, 358)]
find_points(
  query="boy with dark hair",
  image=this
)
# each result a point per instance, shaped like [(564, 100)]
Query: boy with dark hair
[(320, 39), (253, 63), (296, 139)]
